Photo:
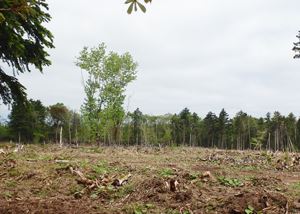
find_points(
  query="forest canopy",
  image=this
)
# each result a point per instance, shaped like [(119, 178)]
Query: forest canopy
[(243, 131)]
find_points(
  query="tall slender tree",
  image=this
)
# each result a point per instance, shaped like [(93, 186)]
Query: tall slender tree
[(108, 76)]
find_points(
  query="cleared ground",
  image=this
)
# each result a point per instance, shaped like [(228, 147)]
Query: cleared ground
[(49, 179)]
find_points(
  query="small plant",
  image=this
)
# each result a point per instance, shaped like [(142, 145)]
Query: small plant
[(249, 210), (7, 195), (193, 176), (166, 172), (231, 182), (101, 168), (13, 172), (10, 184), (296, 186)]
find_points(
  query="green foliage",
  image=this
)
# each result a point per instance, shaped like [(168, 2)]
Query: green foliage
[(166, 172), (109, 74), (185, 128), (28, 122), (59, 117), (7, 195), (4, 132), (135, 4), (23, 40), (231, 182), (137, 119), (249, 210), (101, 168), (296, 185)]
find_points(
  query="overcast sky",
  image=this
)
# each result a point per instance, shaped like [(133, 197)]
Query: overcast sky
[(202, 54)]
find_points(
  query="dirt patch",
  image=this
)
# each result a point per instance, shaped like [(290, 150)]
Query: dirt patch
[(38, 180), (257, 201), (50, 205)]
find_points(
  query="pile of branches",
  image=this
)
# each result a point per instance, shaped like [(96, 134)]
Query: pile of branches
[(104, 180)]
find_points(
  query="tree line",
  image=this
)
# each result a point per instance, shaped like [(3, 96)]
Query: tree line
[(36, 123)]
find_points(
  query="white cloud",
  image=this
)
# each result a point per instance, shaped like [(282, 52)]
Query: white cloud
[(205, 55)]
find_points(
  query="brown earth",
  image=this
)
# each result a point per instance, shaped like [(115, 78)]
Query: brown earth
[(49, 179)]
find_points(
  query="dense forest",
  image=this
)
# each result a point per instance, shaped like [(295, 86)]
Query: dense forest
[(40, 124)]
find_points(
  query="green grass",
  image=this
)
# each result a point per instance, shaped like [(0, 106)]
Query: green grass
[(166, 172)]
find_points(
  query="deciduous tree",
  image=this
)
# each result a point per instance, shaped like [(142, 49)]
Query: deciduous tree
[(108, 76)]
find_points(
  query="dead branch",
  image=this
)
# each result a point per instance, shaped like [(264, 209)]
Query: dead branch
[(2, 151), (62, 161)]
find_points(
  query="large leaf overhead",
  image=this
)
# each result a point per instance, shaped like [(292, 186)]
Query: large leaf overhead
[(135, 4)]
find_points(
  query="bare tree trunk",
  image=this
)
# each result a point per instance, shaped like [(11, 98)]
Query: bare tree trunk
[(269, 142), (70, 136), (19, 138), (76, 137), (60, 137)]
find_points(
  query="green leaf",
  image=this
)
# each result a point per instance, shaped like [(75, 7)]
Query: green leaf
[(2, 18), (129, 11), (142, 7), (129, 1), (135, 7)]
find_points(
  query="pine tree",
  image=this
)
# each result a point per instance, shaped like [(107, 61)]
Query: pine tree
[(296, 47)]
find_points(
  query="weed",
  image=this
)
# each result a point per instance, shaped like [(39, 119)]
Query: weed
[(249, 210), (295, 188), (10, 184), (101, 168), (7, 195), (231, 182), (193, 176), (296, 185), (13, 172), (166, 172)]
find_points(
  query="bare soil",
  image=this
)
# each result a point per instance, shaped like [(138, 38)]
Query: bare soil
[(49, 179)]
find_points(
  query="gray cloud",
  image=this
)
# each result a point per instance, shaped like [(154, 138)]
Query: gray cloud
[(204, 55)]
